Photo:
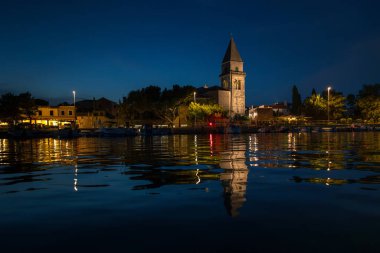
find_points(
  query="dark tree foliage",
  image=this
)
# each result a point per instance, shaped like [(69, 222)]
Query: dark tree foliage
[(13, 108), (296, 101), (27, 105), (352, 111), (368, 102), (9, 108), (151, 105), (315, 106)]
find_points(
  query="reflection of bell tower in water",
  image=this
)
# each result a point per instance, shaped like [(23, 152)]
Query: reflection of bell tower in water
[(234, 179), (232, 79)]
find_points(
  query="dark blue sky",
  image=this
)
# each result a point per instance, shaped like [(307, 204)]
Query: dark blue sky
[(107, 48)]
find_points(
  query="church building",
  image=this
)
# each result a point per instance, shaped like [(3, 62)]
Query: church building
[(231, 92)]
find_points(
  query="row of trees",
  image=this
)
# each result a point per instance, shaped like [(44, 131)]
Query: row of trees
[(153, 105), (365, 105)]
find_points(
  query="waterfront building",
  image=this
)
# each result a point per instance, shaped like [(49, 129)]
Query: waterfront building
[(95, 119), (54, 116), (97, 113), (231, 93), (261, 114), (280, 109)]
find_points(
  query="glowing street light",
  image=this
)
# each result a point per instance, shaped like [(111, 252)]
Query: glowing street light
[(195, 116), (328, 104), (75, 111)]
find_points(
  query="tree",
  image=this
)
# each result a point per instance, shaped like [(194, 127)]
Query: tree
[(9, 108), (27, 105), (352, 110), (150, 104), (336, 103), (13, 108), (368, 102), (296, 101), (140, 105), (171, 100), (204, 111), (315, 106)]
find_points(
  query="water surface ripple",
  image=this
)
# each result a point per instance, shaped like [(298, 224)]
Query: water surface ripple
[(192, 193)]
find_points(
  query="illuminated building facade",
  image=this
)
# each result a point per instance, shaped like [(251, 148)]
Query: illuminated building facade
[(54, 116), (231, 93)]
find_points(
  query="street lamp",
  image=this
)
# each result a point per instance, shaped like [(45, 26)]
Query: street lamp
[(328, 105), (195, 115), (75, 111)]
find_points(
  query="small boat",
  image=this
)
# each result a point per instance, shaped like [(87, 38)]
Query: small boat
[(328, 129)]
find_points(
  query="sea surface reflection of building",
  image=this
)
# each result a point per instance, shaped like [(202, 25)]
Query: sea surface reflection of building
[(235, 176)]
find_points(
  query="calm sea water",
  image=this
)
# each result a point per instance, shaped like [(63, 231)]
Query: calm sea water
[(192, 193)]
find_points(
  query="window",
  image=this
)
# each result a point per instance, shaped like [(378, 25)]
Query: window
[(236, 68), (237, 84), (51, 113), (62, 113), (70, 113), (39, 113)]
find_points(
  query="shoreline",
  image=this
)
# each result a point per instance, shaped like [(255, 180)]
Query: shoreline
[(125, 132)]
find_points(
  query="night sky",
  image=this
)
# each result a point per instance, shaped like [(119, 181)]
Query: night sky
[(108, 48)]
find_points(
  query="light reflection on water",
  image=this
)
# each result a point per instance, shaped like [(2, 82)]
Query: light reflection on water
[(189, 159), (190, 171)]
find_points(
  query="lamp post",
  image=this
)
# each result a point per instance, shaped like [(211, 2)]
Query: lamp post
[(195, 115), (75, 111), (328, 105)]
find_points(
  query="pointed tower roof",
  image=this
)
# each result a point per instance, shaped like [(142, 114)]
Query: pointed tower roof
[(232, 53)]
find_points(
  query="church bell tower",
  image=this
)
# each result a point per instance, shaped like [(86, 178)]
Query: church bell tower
[(232, 79)]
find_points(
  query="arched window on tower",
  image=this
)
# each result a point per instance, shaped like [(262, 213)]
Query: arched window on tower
[(237, 84), (237, 69)]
